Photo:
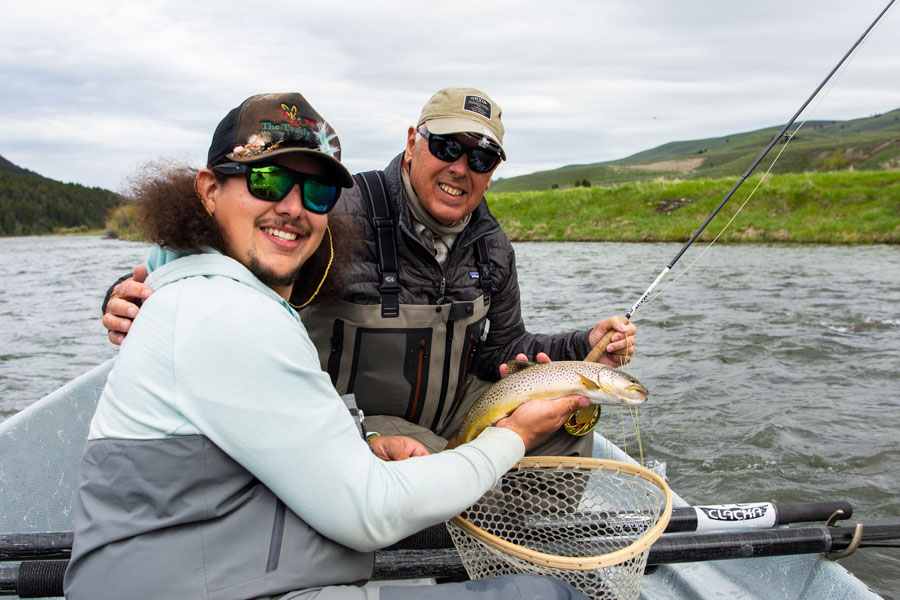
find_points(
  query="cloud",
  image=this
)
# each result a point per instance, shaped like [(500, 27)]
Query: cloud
[(95, 88)]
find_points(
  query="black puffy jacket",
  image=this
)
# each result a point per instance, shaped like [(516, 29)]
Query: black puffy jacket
[(423, 281)]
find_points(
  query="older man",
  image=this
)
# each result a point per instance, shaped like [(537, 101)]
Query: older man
[(431, 305)]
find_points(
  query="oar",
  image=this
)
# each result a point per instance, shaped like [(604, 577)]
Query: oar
[(444, 563), (58, 544), (716, 517), (758, 515), (755, 515)]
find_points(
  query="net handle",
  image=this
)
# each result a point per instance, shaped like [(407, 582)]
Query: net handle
[(585, 563)]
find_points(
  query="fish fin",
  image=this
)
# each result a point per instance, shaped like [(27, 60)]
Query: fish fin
[(586, 414), (588, 382), (453, 443), (518, 365)]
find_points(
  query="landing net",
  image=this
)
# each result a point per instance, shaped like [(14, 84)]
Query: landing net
[(587, 521)]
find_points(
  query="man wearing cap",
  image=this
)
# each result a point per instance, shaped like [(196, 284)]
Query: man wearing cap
[(430, 305), (220, 461)]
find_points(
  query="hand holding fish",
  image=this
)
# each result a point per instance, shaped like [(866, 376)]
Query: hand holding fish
[(540, 417), (541, 358), (396, 447), (618, 349)]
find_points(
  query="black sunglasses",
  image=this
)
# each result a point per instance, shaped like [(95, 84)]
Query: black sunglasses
[(449, 150), (274, 183)]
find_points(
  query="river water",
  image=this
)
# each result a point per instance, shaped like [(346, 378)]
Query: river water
[(773, 370)]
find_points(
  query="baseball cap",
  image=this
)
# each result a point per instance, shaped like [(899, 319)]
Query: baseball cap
[(268, 125), (455, 110)]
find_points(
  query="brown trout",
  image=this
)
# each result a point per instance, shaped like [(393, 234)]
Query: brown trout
[(526, 381)]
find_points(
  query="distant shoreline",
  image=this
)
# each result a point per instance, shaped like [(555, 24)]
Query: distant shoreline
[(837, 208), (841, 208)]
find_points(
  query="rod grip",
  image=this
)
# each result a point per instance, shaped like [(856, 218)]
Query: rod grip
[(599, 349)]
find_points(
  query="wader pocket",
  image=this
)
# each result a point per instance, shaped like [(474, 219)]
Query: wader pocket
[(380, 354), (471, 347)]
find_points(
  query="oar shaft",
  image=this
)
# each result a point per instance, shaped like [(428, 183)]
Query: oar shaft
[(444, 563), (58, 544)]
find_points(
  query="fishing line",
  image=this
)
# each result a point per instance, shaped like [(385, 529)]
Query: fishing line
[(756, 162), (730, 221), (789, 139)]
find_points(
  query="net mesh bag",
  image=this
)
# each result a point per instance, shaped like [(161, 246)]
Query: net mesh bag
[(587, 521)]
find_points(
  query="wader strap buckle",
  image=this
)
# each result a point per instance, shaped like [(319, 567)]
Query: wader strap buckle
[(390, 292)]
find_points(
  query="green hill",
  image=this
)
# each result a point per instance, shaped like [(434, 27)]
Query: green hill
[(871, 143), (31, 204), (846, 207)]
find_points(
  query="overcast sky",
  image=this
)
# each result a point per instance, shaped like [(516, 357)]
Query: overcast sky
[(91, 89)]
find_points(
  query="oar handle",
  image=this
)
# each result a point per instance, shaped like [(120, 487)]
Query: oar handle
[(805, 512)]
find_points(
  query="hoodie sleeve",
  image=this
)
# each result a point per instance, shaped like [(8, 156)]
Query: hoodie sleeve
[(248, 377)]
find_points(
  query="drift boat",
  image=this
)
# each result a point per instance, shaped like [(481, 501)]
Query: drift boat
[(40, 452)]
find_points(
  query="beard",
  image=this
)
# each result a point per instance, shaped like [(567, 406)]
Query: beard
[(270, 277)]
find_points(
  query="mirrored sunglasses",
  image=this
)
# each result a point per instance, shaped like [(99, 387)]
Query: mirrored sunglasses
[(449, 149), (274, 182)]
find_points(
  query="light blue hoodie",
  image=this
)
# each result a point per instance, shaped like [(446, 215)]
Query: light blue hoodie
[(216, 352)]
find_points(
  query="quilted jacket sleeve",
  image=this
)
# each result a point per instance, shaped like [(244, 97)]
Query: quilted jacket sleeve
[(507, 335)]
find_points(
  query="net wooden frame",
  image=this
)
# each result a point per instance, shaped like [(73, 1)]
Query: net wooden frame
[(616, 574)]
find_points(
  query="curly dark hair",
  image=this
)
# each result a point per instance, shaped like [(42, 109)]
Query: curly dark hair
[(170, 211), (172, 215)]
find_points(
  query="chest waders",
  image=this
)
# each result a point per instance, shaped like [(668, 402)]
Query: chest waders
[(404, 360)]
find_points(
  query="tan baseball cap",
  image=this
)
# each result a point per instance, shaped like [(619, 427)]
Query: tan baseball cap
[(268, 125), (464, 110)]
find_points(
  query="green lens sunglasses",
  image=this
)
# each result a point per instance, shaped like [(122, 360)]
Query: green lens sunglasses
[(274, 182)]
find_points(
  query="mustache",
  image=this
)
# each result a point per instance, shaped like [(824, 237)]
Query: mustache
[(292, 224)]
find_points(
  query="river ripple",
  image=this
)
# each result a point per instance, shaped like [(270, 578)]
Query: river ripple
[(773, 370)]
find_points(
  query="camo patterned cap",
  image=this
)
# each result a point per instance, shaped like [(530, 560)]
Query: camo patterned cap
[(464, 110), (268, 125)]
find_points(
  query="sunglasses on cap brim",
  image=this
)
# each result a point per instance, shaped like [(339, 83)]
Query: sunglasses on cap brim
[(273, 183), (449, 149)]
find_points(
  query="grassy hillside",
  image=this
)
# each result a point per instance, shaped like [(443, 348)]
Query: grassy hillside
[(871, 143), (841, 207)]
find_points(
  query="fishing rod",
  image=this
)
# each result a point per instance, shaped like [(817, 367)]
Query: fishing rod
[(758, 160)]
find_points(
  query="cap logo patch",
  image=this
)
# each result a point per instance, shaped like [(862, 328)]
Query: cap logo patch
[(291, 115), (477, 105), (297, 130)]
